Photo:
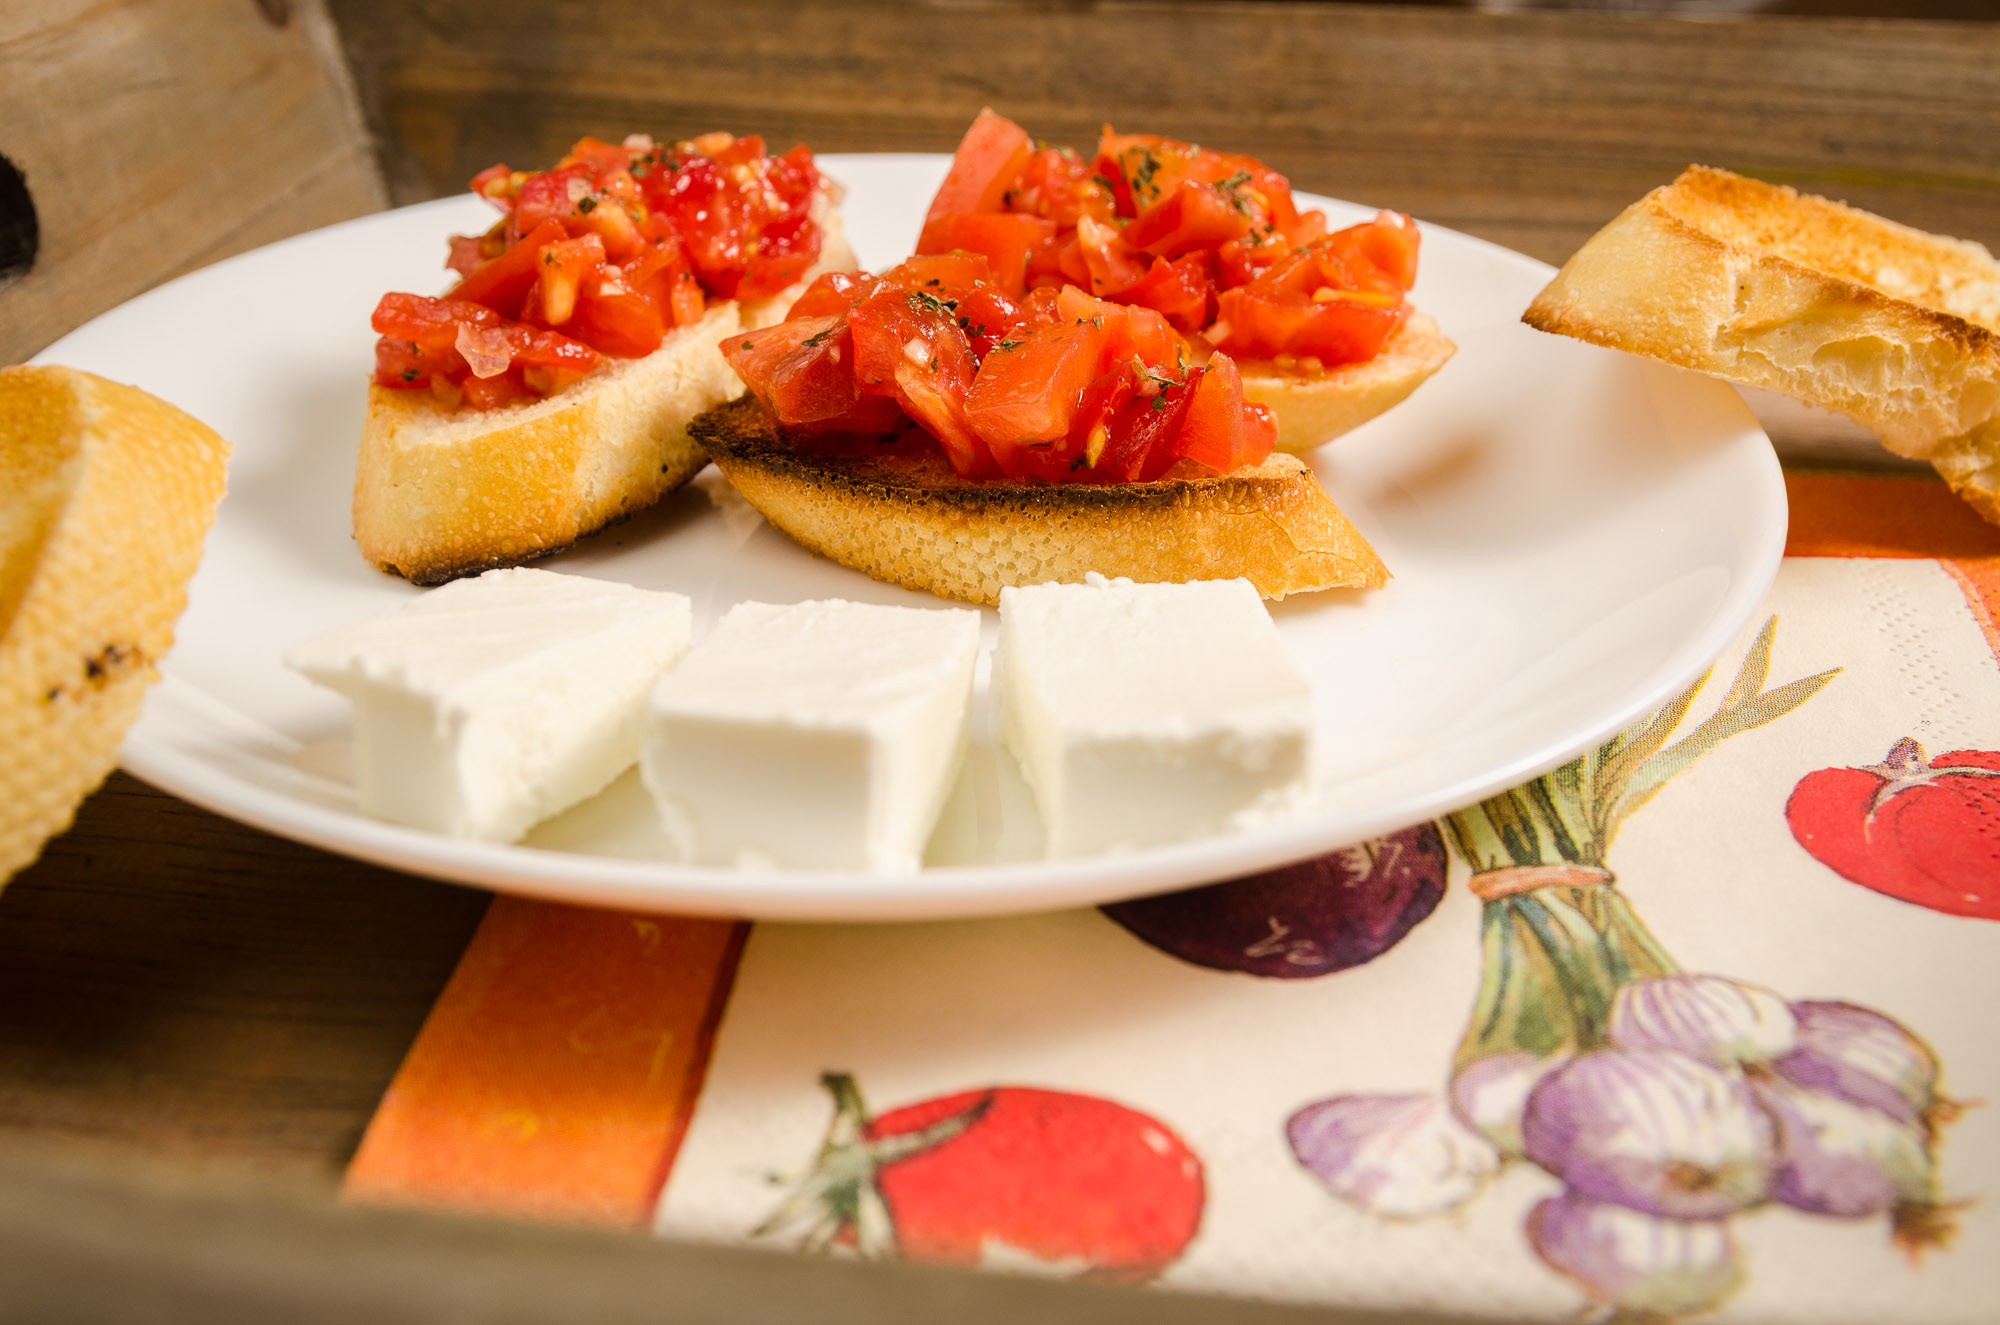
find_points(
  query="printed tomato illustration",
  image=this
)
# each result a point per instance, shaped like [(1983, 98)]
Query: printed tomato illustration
[(1922, 830), (1313, 918), (1005, 1176)]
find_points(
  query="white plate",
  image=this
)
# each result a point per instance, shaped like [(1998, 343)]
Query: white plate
[(1575, 534)]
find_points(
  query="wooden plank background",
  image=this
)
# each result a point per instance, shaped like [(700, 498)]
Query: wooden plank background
[(1530, 129), (157, 137)]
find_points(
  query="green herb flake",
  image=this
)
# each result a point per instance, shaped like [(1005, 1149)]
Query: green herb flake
[(586, 205), (1142, 178), (924, 302), (819, 339), (1232, 189), (748, 345)]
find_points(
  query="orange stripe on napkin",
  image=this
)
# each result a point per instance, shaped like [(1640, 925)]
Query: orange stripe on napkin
[(1850, 515), (557, 1072), (1883, 515)]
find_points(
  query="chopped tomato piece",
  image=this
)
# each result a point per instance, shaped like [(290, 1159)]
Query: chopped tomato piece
[(1028, 390), (803, 371), (616, 318), (662, 275), (1180, 290), (1389, 242), (1194, 216), (562, 268), (1334, 327), (1219, 432), (1110, 263), (503, 284), (834, 292), (1059, 186), (1006, 241), (1143, 435), (987, 317), (907, 347), (985, 165)]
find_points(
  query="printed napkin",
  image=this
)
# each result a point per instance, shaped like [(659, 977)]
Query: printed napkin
[(1694, 1026)]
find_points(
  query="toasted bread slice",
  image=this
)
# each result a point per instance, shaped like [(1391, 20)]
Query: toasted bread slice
[(105, 496), (899, 513), (440, 493), (1765, 286), (1314, 408)]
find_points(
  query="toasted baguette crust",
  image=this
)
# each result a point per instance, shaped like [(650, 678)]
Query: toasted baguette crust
[(441, 493), (1761, 285), (905, 518), (105, 495), (1313, 410)]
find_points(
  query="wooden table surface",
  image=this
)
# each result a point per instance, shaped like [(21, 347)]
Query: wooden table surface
[(196, 1018)]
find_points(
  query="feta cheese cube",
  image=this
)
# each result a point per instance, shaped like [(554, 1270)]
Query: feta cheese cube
[(822, 735), (1150, 713), (490, 704)]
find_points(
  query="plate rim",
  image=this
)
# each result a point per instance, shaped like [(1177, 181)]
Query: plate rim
[(936, 892)]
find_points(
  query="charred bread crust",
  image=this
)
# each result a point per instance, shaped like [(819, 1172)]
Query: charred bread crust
[(1759, 284), (895, 510)]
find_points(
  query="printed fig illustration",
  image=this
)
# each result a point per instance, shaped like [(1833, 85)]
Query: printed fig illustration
[(1007, 1177), (1309, 919)]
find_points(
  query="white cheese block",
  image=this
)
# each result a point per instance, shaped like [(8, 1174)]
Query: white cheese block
[(823, 735), (490, 704), (1150, 713)]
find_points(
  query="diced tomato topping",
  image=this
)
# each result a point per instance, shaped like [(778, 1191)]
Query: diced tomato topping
[(1060, 386), (1213, 241), (616, 245)]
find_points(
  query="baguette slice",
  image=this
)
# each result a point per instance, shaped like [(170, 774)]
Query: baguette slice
[(900, 514), (1761, 285), (1312, 410), (105, 496), (441, 493)]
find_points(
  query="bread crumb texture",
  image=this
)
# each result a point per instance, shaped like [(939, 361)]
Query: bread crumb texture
[(105, 496), (902, 517), (1759, 284)]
